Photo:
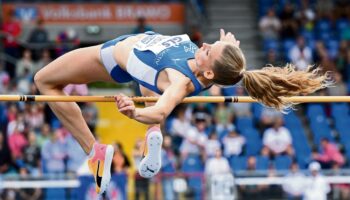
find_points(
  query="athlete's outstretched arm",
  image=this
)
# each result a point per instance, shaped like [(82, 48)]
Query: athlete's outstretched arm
[(171, 97)]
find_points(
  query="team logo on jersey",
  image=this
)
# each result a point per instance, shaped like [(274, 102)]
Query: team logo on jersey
[(173, 41), (190, 48)]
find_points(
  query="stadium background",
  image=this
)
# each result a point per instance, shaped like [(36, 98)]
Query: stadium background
[(40, 160)]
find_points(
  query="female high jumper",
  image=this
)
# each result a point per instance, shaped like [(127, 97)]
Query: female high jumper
[(171, 67)]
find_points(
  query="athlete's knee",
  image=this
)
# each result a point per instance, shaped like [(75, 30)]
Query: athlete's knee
[(41, 81)]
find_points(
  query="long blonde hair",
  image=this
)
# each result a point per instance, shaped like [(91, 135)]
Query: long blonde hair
[(270, 83)]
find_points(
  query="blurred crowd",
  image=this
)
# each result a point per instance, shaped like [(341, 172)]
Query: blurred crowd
[(208, 139)]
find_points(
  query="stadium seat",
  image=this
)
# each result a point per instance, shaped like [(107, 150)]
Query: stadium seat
[(339, 110), (323, 25), (228, 91), (287, 45), (314, 110), (253, 141), (238, 163), (55, 194), (257, 109), (262, 163), (271, 44), (282, 162), (244, 123), (192, 163), (341, 26), (332, 47)]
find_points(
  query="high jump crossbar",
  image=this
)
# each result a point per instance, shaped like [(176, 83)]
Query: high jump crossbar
[(194, 99)]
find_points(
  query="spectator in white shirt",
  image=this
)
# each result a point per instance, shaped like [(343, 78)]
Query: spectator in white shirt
[(294, 183), (301, 54), (179, 126), (270, 25), (195, 138), (317, 186), (217, 164), (233, 144), (277, 140), (212, 145)]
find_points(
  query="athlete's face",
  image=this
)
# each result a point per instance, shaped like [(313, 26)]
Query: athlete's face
[(206, 56)]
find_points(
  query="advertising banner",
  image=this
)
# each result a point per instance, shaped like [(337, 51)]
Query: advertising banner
[(90, 13)]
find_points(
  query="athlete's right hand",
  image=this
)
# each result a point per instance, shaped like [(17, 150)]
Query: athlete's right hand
[(125, 105), (228, 37)]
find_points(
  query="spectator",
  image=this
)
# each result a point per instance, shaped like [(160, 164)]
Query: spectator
[(195, 138), (120, 162), (267, 117), (330, 155), (17, 141), (196, 35), (270, 25), (316, 187), (4, 80), (75, 155), (252, 191), (44, 59), (11, 29), (233, 144), (39, 34), (141, 26), (277, 140), (179, 127), (325, 7), (301, 54), (305, 16), (340, 59), (340, 88), (289, 28), (38, 38), (294, 183), (34, 117), (30, 193), (223, 118), (168, 169), (44, 135), (32, 156), (24, 82), (76, 89), (15, 119), (340, 191), (212, 145), (5, 155), (217, 165), (241, 109), (54, 154), (90, 114), (141, 184), (66, 41), (25, 63)]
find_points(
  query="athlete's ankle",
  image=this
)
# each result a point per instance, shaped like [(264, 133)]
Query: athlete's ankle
[(154, 128), (92, 151)]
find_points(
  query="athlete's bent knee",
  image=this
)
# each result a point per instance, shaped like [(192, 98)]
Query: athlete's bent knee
[(40, 81)]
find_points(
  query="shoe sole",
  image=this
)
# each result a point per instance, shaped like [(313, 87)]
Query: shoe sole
[(106, 178), (151, 163)]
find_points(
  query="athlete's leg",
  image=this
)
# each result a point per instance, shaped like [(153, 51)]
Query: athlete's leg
[(151, 163), (76, 67)]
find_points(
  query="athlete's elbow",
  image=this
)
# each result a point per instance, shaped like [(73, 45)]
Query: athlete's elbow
[(161, 117)]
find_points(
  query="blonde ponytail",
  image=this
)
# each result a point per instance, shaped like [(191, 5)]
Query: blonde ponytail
[(270, 83)]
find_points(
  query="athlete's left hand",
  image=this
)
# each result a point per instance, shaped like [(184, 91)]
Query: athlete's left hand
[(125, 105), (228, 37)]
